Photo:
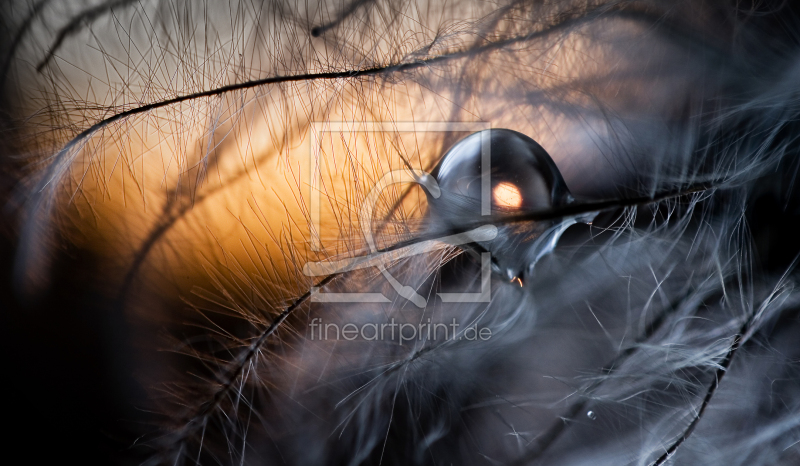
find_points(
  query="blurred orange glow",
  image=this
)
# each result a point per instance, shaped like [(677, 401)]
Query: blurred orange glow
[(507, 195)]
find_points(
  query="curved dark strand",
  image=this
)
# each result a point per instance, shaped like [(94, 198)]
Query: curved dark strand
[(40, 202), (712, 389), (578, 208), (744, 333), (569, 210), (317, 31), (398, 67), (553, 433), (237, 367), (23, 29), (74, 25)]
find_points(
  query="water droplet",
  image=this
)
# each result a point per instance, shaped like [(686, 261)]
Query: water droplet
[(591, 415), (501, 171)]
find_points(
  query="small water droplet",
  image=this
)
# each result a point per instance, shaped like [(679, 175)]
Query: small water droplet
[(591, 415), (521, 178)]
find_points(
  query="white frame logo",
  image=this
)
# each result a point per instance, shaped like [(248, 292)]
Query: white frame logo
[(377, 258)]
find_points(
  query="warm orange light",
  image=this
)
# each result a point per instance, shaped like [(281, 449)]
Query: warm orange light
[(507, 195)]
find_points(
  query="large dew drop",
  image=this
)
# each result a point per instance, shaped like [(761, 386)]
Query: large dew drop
[(497, 172)]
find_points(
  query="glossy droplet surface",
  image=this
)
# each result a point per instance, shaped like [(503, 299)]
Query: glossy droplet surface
[(591, 415), (496, 172), (515, 163)]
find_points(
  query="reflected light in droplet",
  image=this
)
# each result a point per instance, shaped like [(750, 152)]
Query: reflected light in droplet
[(507, 195)]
